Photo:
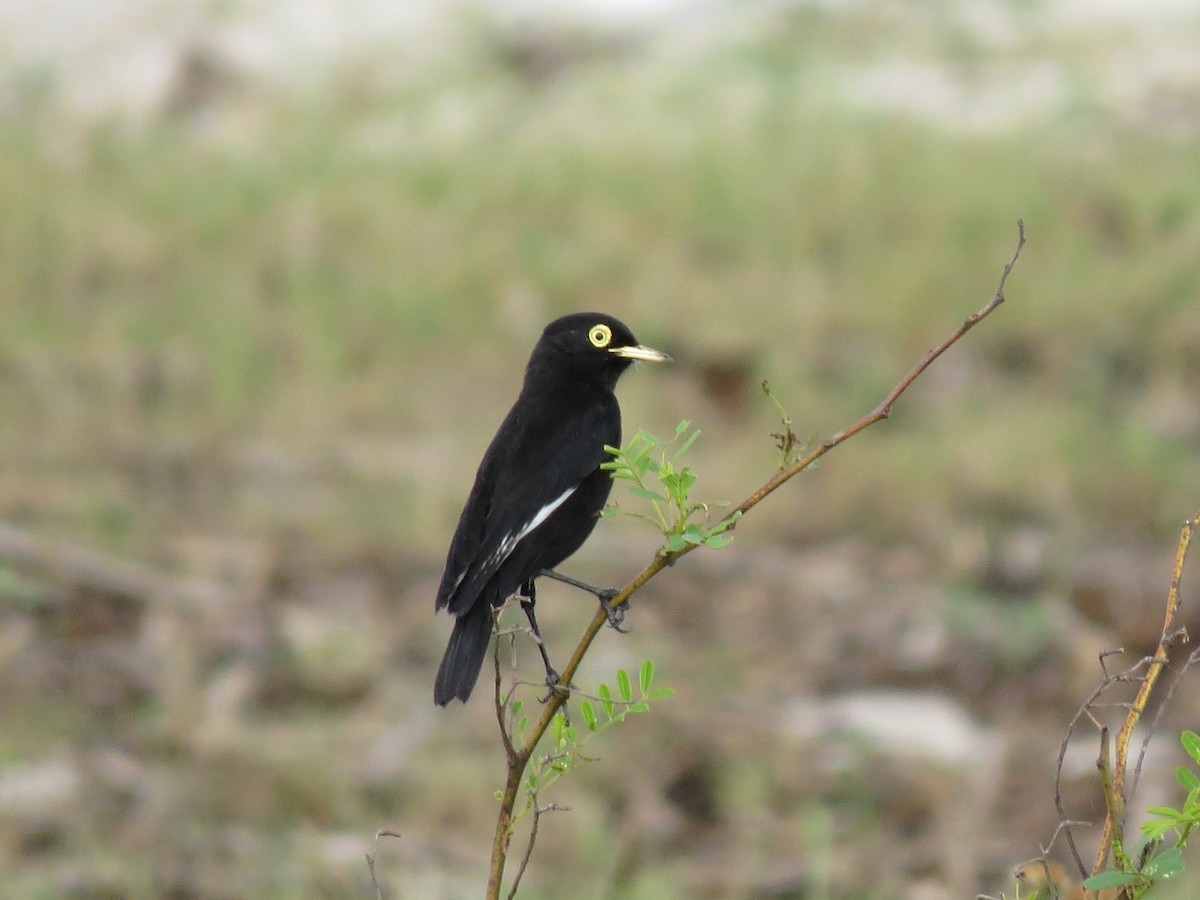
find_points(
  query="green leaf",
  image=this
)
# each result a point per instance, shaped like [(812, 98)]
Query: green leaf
[(1165, 865), (606, 701), (1156, 830), (717, 541), (678, 484), (688, 443), (640, 706), (516, 708), (725, 524), (682, 427), (1187, 778), (589, 713), (646, 675), (661, 693), (522, 724), (1191, 743), (1169, 870), (624, 687), (646, 493), (642, 464), (648, 438), (1110, 879), (674, 544), (1168, 811)]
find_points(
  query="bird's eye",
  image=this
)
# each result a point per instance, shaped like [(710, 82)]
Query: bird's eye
[(600, 335)]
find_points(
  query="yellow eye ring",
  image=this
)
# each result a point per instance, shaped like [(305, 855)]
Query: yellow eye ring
[(600, 335)]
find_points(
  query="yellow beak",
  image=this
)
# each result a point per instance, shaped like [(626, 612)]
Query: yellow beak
[(646, 354)]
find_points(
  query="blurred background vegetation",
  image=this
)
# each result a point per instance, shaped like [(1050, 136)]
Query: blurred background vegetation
[(269, 275)]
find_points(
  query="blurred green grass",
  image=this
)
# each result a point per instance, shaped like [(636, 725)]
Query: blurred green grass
[(332, 277)]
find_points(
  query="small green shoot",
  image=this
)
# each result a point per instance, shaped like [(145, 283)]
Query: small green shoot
[(655, 474), (1159, 865), (599, 713)]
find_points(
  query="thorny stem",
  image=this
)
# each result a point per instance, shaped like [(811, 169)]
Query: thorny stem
[(518, 760)]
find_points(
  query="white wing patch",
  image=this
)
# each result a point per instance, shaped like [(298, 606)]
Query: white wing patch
[(510, 541)]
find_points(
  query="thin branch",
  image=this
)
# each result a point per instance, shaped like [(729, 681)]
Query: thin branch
[(504, 823), (533, 831), (502, 708), (884, 409), (382, 832), (1064, 822), (1112, 823), (663, 559), (1176, 679), (1114, 803)]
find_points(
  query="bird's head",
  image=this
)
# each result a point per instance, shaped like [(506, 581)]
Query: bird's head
[(592, 344)]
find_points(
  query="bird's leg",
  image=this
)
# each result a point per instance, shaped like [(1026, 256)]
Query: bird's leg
[(528, 596), (616, 614)]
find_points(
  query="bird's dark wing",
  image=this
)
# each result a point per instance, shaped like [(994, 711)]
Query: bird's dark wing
[(534, 463)]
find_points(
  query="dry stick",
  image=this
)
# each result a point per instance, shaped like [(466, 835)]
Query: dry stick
[(382, 832), (662, 559), (1113, 825), (1065, 824), (1114, 803), (533, 830), (518, 759), (502, 709), (1177, 679)]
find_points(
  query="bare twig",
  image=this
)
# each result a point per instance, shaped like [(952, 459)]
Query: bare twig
[(1117, 784), (503, 701), (663, 559), (382, 832), (1152, 730), (1085, 709), (883, 410), (533, 831), (1114, 821), (1114, 803)]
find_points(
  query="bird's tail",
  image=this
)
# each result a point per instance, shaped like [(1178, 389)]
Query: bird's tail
[(464, 657)]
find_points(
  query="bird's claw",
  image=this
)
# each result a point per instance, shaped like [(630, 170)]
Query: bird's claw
[(615, 614), (553, 686)]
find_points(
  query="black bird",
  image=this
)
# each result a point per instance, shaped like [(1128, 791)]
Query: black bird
[(539, 489)]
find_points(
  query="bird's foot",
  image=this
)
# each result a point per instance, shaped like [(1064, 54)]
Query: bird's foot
[(616, 614), (554, 686)]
